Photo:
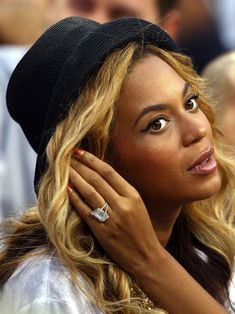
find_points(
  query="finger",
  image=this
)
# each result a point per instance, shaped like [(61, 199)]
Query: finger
[(118, 183), (90, 196), (96, 181), (82, 208)]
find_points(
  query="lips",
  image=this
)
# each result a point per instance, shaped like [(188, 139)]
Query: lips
[(205, 163)]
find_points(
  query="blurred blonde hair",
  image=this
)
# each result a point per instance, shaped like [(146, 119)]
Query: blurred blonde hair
[(220, 77), (54, 224)]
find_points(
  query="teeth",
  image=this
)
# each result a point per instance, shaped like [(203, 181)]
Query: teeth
[(202, 164)]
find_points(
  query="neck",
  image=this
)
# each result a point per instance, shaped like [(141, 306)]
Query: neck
[(163, 220)]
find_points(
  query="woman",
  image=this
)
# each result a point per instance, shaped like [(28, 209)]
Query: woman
[(146, 222)]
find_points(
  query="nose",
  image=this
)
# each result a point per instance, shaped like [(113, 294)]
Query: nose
[(99, 16), (193, 130)]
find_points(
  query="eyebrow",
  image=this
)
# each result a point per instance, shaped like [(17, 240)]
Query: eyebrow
[(186, 88), (159, 107)]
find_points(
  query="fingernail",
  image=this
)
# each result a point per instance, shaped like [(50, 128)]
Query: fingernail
[(79, 152), (69, 189)]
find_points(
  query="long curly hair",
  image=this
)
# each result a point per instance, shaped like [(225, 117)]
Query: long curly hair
[(204, 228)]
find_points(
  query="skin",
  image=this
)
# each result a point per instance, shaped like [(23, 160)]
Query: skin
[(38, 15), (162, 179), (141, 250), (105, 10)]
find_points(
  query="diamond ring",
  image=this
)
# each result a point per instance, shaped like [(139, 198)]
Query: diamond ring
[(101, 214)]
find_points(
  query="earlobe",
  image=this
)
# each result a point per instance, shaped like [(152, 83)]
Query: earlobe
[(171, 23)]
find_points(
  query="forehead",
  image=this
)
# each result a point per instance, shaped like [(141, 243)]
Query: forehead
[(146, 9), (151, 81), (131, 3)]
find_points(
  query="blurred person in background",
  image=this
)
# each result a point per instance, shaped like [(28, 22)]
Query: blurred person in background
[(199, 35), (224, 13), (163, 12), (220, 74), (21, 23)]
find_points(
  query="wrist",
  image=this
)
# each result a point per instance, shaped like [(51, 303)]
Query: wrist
[(148, 268)]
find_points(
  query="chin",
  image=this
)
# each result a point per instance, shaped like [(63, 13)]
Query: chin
[(209, 188)]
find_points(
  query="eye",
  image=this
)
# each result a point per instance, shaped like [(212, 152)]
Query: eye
[(191, 103), (120, 12), (157, 124), (84, 5)]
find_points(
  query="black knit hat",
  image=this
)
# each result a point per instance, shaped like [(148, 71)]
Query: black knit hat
[(54, 70)]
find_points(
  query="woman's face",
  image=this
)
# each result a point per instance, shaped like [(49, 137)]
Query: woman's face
[(162, 142)]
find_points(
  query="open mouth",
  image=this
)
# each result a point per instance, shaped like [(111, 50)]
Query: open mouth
[(205, 164)]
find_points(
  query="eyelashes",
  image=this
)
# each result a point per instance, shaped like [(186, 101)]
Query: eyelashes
[(160, 122), (157, 124), (192, 101)]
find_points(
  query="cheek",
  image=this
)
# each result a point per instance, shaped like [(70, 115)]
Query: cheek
[(155, 175), (208, 128), (138, 162)]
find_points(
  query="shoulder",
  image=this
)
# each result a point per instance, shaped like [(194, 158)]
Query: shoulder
[(41, 284)]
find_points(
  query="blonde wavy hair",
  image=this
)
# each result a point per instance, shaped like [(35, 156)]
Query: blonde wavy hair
[(55, 225)]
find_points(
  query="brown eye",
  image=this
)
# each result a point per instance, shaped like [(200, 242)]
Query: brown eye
[(120, 12), (157, 124), (84, 5), (191, 104)]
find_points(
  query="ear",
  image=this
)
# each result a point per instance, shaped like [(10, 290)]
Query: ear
[(171, 23)]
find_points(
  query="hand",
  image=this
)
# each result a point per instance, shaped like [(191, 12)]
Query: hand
[(128, 235), (129, 238)]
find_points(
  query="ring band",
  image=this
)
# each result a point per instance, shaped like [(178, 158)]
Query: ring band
[(101, 214)]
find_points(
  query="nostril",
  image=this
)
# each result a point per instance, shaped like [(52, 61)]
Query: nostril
[(196, 140), (193, 136)]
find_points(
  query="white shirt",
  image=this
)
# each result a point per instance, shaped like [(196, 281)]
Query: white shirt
[(42, 285)]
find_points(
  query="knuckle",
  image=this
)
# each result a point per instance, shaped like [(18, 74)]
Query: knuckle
[(135, 196), (71, 173), (73, 163), (89, 157), (90, 195), (126, 206), (73, 203), (76, 204), (95, 180), (81, 211), (112, 233), (108, 171)]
